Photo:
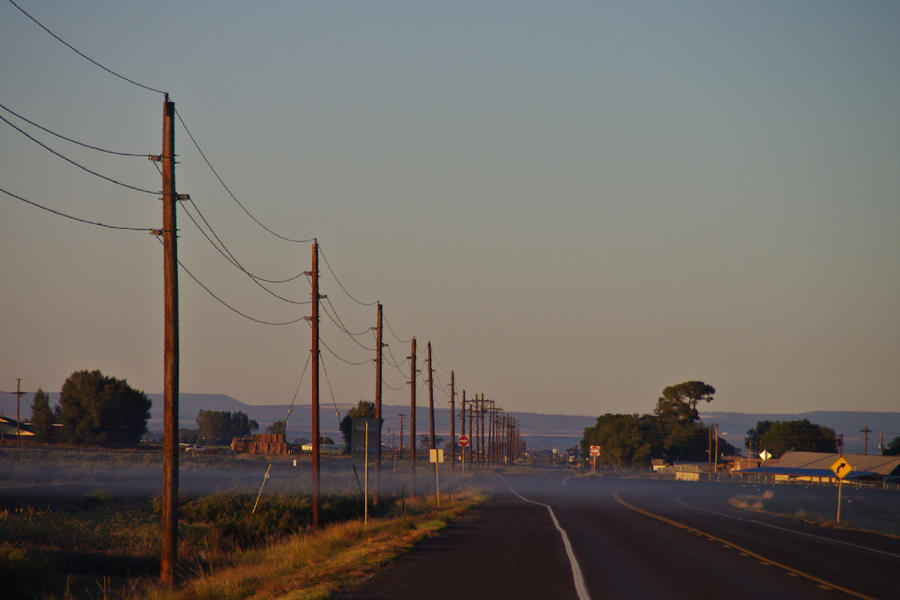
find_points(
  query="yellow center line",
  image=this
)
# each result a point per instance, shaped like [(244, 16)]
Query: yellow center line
[(759, 557)]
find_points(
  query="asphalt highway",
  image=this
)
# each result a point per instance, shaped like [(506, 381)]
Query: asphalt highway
[(549, 536)]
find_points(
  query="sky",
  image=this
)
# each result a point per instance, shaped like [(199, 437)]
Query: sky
[(577, 203)]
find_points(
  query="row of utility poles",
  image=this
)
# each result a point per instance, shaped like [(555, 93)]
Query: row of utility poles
[(493, 435)]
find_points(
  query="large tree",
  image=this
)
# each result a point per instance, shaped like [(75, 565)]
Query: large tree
[(800, 435), (624, 440), (102, 410), (678, 403), (221, 426), (362, 409), (41, 416)]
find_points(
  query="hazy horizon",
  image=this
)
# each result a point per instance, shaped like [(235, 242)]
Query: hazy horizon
[(578, 204)]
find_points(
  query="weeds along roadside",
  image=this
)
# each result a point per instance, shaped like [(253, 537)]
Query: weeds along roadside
[(315, 564), (93, 542)]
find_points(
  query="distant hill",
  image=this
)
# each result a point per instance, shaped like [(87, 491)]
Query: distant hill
[(540, 430)]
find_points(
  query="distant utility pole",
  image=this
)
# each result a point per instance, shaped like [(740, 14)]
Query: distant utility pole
[(865, 431), (401, 415), (19, 394), (169, 549), (378, 364), (431, 398), (462, 424), (412, 417), (452, 420), (314, 323)]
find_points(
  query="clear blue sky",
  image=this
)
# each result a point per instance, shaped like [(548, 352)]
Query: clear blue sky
[(577, 203)]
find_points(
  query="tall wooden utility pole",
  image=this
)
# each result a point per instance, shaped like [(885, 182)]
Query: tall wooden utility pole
[(314, 322), (462, 425), (170, 351), (430, 398), (453, 420), (412, 417), (865, 431), (378, 365)]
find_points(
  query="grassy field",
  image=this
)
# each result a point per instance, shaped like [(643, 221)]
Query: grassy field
[(86, 524)]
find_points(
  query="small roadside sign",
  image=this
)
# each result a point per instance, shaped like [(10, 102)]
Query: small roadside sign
[(463, 441), (765, 455), (595, 450), (436, 455), (841, 467)]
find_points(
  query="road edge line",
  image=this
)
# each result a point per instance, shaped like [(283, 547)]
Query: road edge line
[(578, 578), (757, 556)]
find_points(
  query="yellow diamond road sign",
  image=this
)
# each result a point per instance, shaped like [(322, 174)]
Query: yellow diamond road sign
[(841, 467)]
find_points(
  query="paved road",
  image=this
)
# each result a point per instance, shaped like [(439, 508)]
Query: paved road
[(635, 539)]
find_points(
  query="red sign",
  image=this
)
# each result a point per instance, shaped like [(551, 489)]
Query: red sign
[(595, 450), (463, 441)]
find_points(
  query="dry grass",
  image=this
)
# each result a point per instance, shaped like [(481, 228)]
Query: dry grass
[(317, 564)]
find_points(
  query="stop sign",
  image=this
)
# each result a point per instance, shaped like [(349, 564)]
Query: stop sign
[(595, 450), (463, 441)]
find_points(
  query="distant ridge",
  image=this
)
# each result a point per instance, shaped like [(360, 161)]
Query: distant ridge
[(540, 430)]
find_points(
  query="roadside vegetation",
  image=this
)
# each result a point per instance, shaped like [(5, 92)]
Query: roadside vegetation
[(98, 543), (869, 510)]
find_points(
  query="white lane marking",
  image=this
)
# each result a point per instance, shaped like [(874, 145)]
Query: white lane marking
[(794, 531), (580, 587), (565, 479)]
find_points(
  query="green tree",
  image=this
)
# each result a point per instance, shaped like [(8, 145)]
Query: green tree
[(41, 416), (800, 435), (221, 426), (102, 410), (624, 440), (277, 428), (362, 409), (893, 447), (754, 436), (678, 403)]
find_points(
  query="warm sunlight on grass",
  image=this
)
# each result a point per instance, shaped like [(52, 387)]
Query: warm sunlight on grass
[(317, 564)]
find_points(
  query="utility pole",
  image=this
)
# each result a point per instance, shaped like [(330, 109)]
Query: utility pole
[(412, 417), (483, 445), (865, 431), (169, 541), (452, 420), (314, 323), (170, 350), (462, 425), (19, 394), (378, 364), (401, 415), (431, 398)]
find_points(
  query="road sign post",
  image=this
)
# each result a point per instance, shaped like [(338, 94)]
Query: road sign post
[(436, 456), (463, 443), (841, 468), (595, 452)]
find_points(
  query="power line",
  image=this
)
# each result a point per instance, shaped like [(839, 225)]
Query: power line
[(83, 55), (227, 189), (340, 358), (80, 220), (330, 389), (62, 137), (234, 262), (327, 264), (397, 337), (222, 249), (80, 166), (228, 306)]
